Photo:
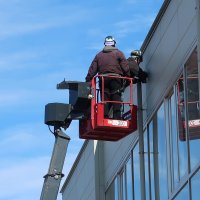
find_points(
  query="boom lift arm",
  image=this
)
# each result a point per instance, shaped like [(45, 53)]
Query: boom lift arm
[(59, 116), (85, 106)]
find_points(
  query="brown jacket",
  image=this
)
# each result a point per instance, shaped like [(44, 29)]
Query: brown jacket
[(134, 67), (109, 60)]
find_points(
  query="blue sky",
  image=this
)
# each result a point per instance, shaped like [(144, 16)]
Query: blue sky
[(41, 43)]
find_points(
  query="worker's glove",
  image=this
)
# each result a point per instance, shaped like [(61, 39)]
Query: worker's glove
[(142, 75)]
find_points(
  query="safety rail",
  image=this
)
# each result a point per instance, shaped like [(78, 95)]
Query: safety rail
[(99, 127)]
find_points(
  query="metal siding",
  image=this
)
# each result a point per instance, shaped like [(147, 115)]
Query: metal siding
[(166, 59), (115, 155), (83, 176)]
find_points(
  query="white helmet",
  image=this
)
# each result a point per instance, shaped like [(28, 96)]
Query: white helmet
[(109, 41)]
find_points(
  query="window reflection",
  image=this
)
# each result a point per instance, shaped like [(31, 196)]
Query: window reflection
[(193, 96), (195, 186), (116, 189), (136, 174), (162, 153), (181, 143), (146, 157), (174, 136), (123, 186), (193, 108), (188, 99), (191, 93), (129, 181), (151, 157), (184, 194), (181, 108)]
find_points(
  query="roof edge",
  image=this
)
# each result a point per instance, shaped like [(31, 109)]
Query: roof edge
[(155, 24)]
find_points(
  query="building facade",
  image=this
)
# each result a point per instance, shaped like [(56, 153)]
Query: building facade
[(161, 160)]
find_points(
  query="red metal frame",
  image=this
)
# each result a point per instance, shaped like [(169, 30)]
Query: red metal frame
[(100, 128)]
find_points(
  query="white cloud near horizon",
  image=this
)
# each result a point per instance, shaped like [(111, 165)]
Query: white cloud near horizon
[(22, 172), (24, 177)]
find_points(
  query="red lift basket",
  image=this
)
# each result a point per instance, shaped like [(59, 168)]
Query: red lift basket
[(100, 128)]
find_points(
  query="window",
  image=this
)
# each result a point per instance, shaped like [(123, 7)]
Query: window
[(183, 194), (123, 185), (136, 173), (112, 192), (146, 158), (193, 108), (151, 160), (174, 142), (183, 130), (178, 162), (129, 180), (162, 165), (195, 183)]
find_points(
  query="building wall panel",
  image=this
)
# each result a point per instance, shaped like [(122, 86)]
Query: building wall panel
[(171, 50), (82, 179)]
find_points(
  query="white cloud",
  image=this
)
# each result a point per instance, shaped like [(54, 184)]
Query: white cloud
[(23, 97), (17, 60), (23, 177), (34, 139), (22, 139), (35, 90), (22, 20), (135, 25)]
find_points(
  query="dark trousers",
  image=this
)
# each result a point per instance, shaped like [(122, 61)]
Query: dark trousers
[(112, 92)]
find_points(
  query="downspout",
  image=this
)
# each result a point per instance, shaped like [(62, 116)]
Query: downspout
[(99, 170), (141, 142)]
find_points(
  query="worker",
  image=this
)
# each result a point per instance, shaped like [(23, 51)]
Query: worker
[(135, 70), (110, 61)]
